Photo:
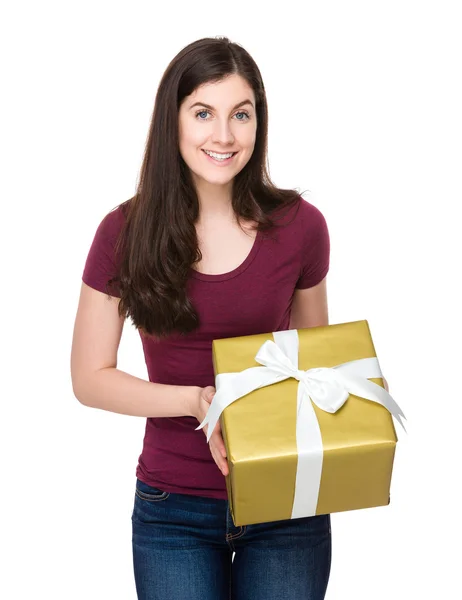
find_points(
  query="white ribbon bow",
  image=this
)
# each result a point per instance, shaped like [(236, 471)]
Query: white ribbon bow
[(328, 387)]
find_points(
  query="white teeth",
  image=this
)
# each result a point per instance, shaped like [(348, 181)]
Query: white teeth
[(219, 156)]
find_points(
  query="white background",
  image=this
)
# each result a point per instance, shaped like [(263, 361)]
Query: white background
[(365, 113)]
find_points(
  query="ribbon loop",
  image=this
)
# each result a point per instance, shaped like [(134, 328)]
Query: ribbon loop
[(273, 357)]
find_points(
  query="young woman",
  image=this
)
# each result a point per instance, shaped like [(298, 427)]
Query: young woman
[(207, 248)]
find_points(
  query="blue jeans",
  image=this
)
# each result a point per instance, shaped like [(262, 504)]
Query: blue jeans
[(183, 549)]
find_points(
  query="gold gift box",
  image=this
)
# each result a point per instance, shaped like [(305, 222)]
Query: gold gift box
[(259, 431)]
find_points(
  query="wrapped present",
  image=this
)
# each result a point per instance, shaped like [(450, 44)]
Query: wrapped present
[(311, 431)]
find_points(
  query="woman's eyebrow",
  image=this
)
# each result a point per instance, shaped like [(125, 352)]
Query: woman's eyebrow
[(238, 105)]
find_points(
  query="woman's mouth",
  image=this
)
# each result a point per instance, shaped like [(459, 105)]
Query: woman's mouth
[(220, 159)]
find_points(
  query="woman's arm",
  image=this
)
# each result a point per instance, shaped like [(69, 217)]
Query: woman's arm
[(98, 383), (114, 390)]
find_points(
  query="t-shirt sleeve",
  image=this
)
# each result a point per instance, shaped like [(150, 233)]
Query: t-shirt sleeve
[(315, 248), (101, 264)]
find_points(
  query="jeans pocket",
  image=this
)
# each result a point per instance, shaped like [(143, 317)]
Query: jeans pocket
[(149, 493)]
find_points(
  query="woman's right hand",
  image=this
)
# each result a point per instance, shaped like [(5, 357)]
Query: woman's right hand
[(217, 446)]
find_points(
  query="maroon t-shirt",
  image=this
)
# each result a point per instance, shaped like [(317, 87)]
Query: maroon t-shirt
[(251, 299)]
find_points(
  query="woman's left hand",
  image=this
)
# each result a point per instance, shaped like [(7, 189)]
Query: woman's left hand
[(385, 384)]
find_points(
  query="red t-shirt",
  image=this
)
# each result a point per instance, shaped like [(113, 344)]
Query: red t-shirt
[(251, 299)]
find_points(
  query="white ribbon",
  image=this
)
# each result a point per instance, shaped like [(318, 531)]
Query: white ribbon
[(327, 387)]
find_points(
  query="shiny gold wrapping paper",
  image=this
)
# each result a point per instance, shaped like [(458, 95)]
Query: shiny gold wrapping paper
[(259, 431)]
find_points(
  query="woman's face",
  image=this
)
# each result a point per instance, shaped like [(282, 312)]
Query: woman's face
[(210, 119)]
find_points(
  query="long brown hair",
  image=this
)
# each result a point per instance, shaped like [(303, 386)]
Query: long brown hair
[(158, 242)]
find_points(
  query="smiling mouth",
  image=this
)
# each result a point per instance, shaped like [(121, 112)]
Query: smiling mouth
[(224, 161), (205, 150)]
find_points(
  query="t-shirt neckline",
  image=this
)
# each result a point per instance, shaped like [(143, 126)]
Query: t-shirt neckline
[(238, 270)]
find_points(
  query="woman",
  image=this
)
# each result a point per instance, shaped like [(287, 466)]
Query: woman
[(207, 248)]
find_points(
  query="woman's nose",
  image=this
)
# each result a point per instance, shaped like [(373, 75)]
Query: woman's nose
[(222, 132)]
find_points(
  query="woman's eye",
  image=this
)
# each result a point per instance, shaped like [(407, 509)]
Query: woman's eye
[(202, 112)]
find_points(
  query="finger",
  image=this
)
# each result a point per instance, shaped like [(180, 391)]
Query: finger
[(224, 468), (218, 428), (218, 442), (221, 464)]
